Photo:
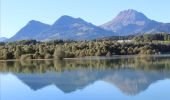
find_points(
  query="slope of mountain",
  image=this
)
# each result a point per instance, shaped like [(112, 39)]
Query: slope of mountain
[(67, 27), (163, 28), (2, 39), (132, 22), (30, 31)]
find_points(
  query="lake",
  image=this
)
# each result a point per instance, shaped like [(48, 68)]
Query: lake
[(90, 78)]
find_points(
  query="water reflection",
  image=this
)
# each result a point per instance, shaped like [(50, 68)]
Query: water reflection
[(130, 75)]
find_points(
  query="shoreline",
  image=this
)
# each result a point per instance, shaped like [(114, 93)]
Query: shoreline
[(94, 57)]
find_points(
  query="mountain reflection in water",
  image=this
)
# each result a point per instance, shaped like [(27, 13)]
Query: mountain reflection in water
[(130, 75)]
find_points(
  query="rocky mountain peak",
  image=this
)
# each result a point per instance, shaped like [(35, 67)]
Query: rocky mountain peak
[(130, 16)]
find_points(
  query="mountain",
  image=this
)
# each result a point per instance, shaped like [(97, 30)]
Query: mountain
[(67, 27), (30, 31), (165, 27), (2, 39), (128, 22), (132, 22)]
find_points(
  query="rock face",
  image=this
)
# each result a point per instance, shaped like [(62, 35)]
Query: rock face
[(132, 22)]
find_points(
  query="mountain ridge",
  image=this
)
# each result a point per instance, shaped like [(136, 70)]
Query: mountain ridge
[(65, 28), (127, 22), (130, 22)]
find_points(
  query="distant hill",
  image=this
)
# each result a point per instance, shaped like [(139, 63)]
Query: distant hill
[(2, 39), (30, 31), (131, 22)]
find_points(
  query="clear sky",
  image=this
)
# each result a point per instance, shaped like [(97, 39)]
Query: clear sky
[(17, 13)]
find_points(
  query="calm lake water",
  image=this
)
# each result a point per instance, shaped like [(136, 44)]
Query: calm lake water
[(116, 78)]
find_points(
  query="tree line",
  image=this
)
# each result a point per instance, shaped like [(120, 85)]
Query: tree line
[(31, 49), (152, 37), (42, 66)]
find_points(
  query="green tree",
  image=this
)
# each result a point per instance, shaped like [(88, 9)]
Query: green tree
[(98, 53), (108, 54), (17, 53), (59, 53)]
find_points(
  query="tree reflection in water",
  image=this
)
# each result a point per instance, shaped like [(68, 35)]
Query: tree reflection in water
[(130, 75)]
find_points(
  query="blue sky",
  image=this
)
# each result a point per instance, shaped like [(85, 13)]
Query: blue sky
[(16, 13)]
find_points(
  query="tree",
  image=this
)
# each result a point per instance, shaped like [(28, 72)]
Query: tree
[(17, 53), (48, 56), (130, 50), (7, 54), (59, 53), (98, 53), (37, 55), (26, 56), (82, 53), (108, 54)]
